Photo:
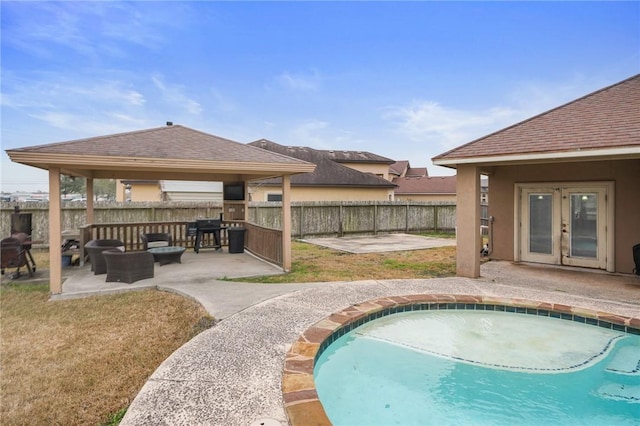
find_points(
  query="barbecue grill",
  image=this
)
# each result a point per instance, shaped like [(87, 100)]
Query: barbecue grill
[(16, 253), (16, 249), (208, 226)]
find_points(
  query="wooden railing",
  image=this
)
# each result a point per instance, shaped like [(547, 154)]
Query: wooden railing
[(264, 243)]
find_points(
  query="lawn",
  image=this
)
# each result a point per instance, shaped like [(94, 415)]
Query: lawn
[(82, 361), (312, 263)]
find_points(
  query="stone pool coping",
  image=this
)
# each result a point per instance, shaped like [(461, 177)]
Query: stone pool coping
[(301, 402)]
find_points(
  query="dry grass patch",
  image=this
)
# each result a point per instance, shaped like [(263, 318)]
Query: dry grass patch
[(80, 361), (313, 263)]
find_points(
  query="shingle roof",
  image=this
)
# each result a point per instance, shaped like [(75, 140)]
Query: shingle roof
[(356, 157), (169, 142), (607, 118), (416, 171), (399, 167), (327, 172), (426, 185)]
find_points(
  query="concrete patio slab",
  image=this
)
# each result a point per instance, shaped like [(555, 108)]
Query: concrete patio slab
[(381, 243)]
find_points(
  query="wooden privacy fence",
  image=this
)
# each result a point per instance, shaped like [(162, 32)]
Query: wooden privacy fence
[(308, 218)]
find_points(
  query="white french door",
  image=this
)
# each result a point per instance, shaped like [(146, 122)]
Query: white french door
[(566, 224)]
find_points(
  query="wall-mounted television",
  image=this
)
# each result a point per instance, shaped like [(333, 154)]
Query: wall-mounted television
[(233, 191)]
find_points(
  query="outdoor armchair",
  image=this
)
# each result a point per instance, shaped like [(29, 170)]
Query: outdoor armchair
[(128, 267), (158, 239), (95, 248)]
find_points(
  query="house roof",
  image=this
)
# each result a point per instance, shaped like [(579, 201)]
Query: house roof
[(403, 168), (416, 171), (327, 171), (171, 152), (425, 185), (356, 157), (603, 124), (399, 167)]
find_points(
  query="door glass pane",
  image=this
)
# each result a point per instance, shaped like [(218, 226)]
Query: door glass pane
[(540, 223), (584, 225)]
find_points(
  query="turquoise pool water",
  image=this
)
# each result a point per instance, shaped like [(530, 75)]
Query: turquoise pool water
[(480, 368)]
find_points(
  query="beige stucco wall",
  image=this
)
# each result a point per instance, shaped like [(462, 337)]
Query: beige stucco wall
[(325, 194), (146, 192), (448, 198), (120, 191), (381, 170), (625, 174)]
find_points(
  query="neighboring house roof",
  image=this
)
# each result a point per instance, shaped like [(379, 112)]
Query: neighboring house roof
[(327, 171), (425, 185), (416, 172), (356, 157), (604, 123), (403, 168), (399, 167), (170, 149)]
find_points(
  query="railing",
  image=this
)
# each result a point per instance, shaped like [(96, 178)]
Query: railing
[(265, 243)]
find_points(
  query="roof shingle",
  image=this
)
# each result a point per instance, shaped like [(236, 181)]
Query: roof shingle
[(170, 142)]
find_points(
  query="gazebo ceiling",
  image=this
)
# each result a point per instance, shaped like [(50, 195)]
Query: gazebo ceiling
[(171, 152)]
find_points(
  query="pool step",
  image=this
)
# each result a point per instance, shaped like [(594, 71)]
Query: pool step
[(626, 361), (620, 392)]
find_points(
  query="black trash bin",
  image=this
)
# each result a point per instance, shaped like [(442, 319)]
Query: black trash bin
[(236, 240)]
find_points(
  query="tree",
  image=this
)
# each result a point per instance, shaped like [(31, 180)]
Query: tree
[(104, 188), (72, 185)]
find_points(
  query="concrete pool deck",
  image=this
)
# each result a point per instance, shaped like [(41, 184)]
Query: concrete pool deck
[(231, 374)]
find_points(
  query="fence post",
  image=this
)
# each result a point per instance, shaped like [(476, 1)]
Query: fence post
[(301, 215), (435, 218), (375, 218), (406, 219), (340, 219)]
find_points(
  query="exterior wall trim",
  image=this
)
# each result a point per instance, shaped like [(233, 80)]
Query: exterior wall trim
[(630, 152)]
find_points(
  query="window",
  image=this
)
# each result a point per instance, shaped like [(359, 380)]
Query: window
[(274, 197)]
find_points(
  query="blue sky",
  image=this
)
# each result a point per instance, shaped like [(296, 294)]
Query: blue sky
[(406, 80)]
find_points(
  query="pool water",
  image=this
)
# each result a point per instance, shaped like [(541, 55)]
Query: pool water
[(480, 368)]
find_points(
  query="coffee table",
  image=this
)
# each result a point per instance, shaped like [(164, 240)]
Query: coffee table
[(164, 255)]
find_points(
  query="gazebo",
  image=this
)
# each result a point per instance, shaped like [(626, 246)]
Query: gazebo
[(172, 152)]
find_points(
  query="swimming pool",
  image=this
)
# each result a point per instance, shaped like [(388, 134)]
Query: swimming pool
[(457, 381), (479, 367)]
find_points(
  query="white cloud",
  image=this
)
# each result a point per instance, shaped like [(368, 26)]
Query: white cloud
[(90, 29), (299, 82), (432, 123), (84, 106), (321, 134), (310, 133), (174, 95)]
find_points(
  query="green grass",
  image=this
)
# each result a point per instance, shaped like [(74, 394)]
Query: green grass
[(311, 263)]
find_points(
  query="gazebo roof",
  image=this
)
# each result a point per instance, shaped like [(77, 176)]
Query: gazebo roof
[(171, 152)]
